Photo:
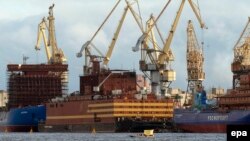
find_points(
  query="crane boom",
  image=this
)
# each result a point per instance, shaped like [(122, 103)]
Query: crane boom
[(242, 47), (136, 17), (54, 54), (41, 34), (151, 36), (197, 13), (145, 34), (114, 39), (165, 54), (168, 42), (105, 20)]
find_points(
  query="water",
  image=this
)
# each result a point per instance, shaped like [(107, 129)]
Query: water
[(109, 137)]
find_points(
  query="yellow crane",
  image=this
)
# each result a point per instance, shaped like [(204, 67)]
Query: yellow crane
[(195, 61), (161, 74), (164, 54), (89, 56), (42, 34), (87, 47), (241, 62), (195, 58), (241, 48), (54, 54), (114, 39)]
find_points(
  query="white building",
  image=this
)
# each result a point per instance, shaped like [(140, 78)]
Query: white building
[(3, 98), (216, 92), (179, 97)]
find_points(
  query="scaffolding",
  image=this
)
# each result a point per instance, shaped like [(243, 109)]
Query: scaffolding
[(35, 84)]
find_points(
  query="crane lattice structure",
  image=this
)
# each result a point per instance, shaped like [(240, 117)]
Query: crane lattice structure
[(54, 54), (159, 67), (241, 62), (195, 61)]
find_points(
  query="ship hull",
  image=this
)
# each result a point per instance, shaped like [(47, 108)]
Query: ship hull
[(209, 121), (202, 128), (77, 114), (18, 128), (127, 125), (23, 119), (78, 128)]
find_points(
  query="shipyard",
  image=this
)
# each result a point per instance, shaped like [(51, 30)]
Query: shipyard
[(126, 68)]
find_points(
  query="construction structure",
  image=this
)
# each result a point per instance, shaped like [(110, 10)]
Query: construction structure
[(233, 108), (157, 60), (96, 61), (239, 96), (109, 100), (241, 62), (195, 61), (33, 84)]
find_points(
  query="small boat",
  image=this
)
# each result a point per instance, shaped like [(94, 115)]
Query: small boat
[(147, 133)]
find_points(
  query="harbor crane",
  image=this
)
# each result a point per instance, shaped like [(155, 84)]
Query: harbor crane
[(195, 61), (161, 73), (89, 56), (54, 54), (241, 62)]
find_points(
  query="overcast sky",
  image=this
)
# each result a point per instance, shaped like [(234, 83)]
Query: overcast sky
[(77, 20)]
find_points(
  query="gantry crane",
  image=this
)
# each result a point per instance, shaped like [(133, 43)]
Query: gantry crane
[(241, 62), (195, 60), (161, 73), (54, 54)]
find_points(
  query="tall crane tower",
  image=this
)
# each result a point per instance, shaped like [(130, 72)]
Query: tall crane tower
[(241, 62), (195, 61), (54, 54), (161, 73)]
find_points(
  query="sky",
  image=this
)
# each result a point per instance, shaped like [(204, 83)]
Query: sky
[(77, 20)]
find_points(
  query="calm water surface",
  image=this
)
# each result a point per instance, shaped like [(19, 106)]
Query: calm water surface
[(109, 137)]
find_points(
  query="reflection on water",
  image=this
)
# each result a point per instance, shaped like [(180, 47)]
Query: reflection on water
[(109, 137)]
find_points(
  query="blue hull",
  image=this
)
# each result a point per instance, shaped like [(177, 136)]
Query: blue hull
[(23, 119), (209, 121)]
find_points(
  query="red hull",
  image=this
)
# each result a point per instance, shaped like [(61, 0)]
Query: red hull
[(18, 129), (203, 128)]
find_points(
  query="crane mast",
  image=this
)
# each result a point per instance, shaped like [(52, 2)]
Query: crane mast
[(195, 61), (135, 15), (161, 73), (195, 58), (241, 62), (54, 54), (164, 55)]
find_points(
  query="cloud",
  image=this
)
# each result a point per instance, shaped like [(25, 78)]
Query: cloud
[(77, 21)]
